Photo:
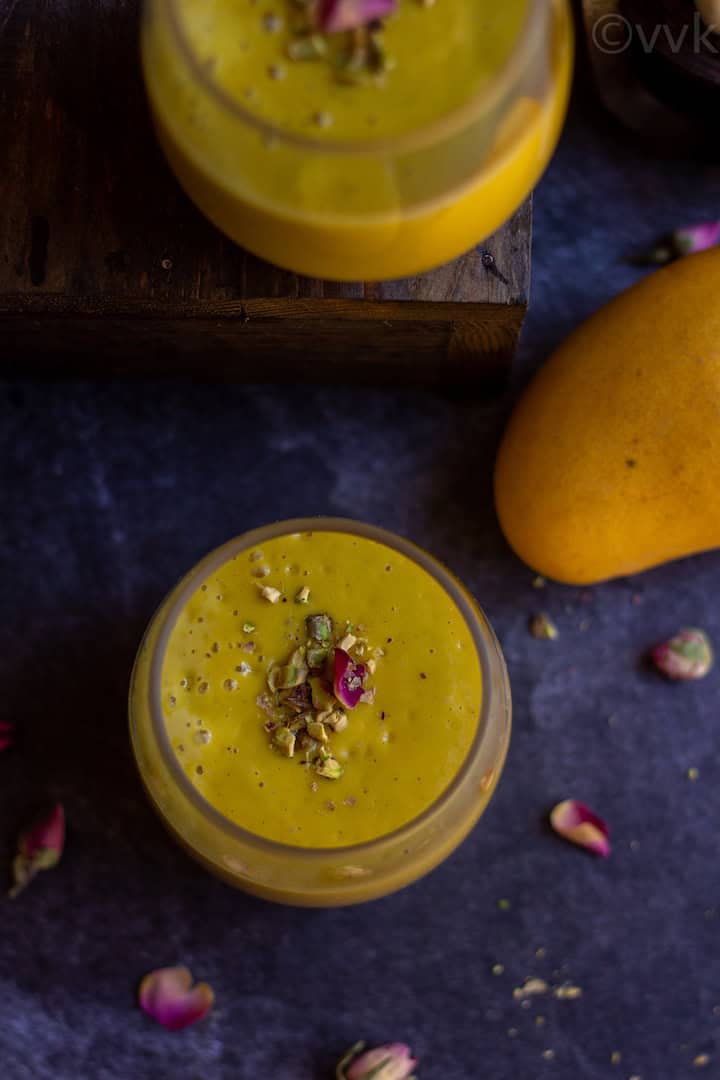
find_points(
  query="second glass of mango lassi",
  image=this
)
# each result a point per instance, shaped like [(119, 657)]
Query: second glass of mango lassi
[(320, 712), (357, 139)]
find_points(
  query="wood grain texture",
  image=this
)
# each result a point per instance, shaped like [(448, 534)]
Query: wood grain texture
[(100, 249)]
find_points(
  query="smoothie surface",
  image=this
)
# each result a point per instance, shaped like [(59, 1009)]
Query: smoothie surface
[(397, 752), (439, 57)]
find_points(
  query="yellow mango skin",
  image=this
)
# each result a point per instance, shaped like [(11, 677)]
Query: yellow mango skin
[(610, 463)]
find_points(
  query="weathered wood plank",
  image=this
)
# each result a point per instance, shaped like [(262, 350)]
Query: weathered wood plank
[(97, 241)]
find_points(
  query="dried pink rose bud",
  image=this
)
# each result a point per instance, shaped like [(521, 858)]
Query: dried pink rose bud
[(7, 731), (696, 238), (681, 242), (348, 684), (393, 1061), (39, 848), (335, 16), (169, 996), (687, 655), (576, 822)]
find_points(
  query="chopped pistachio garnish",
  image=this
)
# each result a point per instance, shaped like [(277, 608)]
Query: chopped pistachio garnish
[(307, 47), (249, 628), (303, 596), (319, 627), (303, 706), (269, 593), (330, 769), (372, 666), (347, 642), (322, 696), (337, 720), (317, 656), (316, 730), (285, 740)]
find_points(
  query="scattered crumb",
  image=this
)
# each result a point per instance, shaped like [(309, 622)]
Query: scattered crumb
[(548, 1054), (504, 905), (540, 953), (701, 1060), (693, 773), (538, 582), (615, 1057), (567, 993), (539, 1021), (530, 988), (497, 969), (513, 1033)]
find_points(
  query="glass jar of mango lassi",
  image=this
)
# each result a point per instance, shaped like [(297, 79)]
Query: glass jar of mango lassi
[(319, 712), (357, 139)]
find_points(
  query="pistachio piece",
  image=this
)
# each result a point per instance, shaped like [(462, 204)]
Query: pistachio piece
[(303, 596), (286, 676), (542, 626), (317, 656), (319, 627), (269, 593), (347, 642), (329, 768), (307, 47), (316, 730), (285, 741), (249, 628), (322, 697), (337, 720)]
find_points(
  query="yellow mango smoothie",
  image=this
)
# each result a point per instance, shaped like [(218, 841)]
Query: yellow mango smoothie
[(319, 712), (357, 139)]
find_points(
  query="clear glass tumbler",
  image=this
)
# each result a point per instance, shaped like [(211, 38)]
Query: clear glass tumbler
[(317, 877)]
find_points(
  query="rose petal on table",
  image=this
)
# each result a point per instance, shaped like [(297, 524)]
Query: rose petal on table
[(39, 848), (393, 1061), (687, 655), (348, 680), (577, 823), (7, 731), (335, 16), (168, 996)]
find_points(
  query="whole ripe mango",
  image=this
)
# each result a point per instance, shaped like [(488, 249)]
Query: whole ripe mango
[(610, 463)]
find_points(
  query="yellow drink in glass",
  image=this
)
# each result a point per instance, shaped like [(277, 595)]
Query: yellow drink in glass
[(380, 179), (414, 762)]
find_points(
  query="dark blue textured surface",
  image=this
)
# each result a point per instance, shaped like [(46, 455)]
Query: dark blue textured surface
[(111, 491)]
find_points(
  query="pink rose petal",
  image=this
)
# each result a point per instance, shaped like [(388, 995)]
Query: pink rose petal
[(168, 995), (576, 822), (393, 1061), (39, 848), (6, 734), (349, 678), (335, 16)]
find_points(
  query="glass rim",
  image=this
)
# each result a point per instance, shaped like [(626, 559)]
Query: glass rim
[(452, 123), (481, 634)]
